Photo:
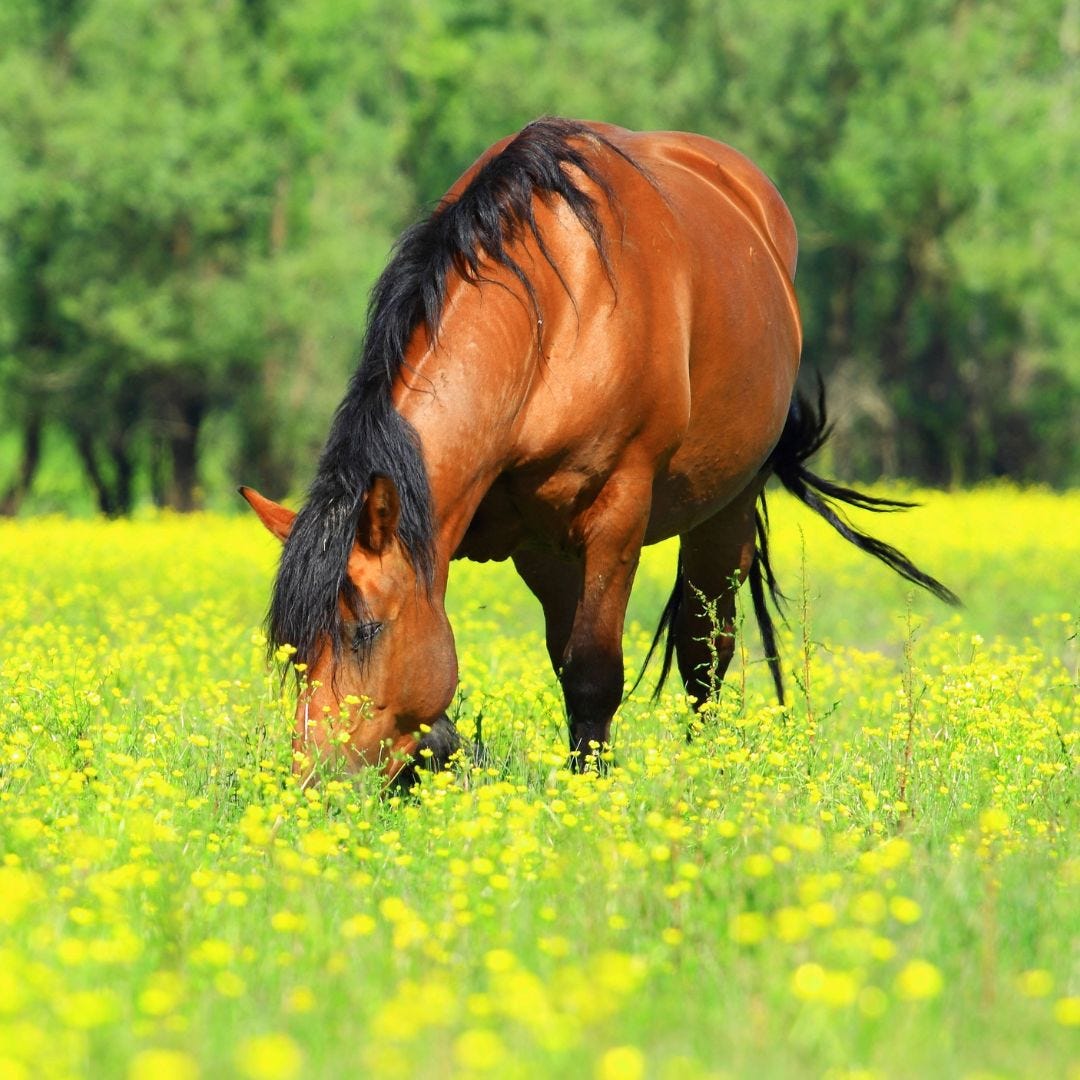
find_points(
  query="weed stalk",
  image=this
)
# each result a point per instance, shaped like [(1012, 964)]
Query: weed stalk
[(912, 707)]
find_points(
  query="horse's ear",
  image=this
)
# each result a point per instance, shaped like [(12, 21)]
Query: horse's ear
[(379, 515), (276, 518)]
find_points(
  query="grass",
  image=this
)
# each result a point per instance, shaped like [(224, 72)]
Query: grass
[(878, 881)]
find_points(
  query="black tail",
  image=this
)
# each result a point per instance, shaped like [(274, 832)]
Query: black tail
[(665, 629), (805, 432), (762, 577)]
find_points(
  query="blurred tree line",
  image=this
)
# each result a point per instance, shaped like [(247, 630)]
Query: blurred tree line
[(195, 196)]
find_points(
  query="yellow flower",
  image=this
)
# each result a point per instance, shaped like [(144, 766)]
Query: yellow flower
[(618, 972), (993, 821), (213, 953), (86, 1009), (19, 889), (807, 981), (748, 928), (791, 924), (498, 960), (919, 980), (162, 1065), (286, 922), (621, 1063), (836, 989), (758, 866), (820, 913), (394, 909), (803, 837), (358, 926), (479, 1049), (10, 1069), (318, 843), (269, 1057), (904, 910), (300, 999), (840, 988), (554, 945), (1036, 983), (161, 995), (868, 907), (229, 984), (1067, 1011), (12, 991), (894, 853)]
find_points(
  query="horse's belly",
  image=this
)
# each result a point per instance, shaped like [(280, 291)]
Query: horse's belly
[(496, 529), (683, 501), (723, 451)]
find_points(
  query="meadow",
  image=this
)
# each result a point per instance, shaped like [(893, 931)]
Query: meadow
[(879, 880)]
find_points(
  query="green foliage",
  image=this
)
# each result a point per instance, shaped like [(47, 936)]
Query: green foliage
[(195, 197)]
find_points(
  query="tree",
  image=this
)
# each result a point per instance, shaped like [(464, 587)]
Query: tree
[(196, 236), (196, 195)]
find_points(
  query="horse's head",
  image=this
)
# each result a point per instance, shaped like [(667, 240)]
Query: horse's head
[(376, 685)]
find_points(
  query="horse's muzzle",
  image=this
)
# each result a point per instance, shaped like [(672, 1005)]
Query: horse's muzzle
[(442, 740)]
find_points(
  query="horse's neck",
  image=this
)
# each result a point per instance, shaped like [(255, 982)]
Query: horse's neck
[(463, 395)]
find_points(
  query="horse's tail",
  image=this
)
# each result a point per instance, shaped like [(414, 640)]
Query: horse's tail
[(805, 432), (665, 631)]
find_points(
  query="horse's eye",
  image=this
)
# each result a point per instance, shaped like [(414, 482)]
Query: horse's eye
[(364, 634)]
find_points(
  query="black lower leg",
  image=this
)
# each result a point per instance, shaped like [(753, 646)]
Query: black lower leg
[(593, 690)]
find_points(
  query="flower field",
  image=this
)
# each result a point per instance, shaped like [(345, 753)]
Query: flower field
[(880, 880)]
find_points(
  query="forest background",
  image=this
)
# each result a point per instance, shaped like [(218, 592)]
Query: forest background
[(196, 196)]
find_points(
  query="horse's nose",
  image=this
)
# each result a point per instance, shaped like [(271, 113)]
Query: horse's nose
[(442, 740)]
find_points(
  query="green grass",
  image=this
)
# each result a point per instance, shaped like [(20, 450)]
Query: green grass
[(759, 903)]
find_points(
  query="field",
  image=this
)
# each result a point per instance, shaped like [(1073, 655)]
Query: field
[(879, 881)]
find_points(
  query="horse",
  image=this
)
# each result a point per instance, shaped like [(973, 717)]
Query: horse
[(590, 345)]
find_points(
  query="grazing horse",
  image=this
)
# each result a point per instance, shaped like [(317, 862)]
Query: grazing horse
[(590, 345)]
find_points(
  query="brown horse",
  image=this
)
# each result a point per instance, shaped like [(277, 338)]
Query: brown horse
[(590, 345)]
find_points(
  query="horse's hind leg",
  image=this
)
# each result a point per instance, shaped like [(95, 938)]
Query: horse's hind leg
[(716, 557)]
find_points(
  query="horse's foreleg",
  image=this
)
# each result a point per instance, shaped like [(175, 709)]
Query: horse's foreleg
[(589, 667), (591, 672), (716, 558), (556, 582), (584, 603)]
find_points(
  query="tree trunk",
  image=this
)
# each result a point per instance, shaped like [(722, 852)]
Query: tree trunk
[(115, 494), (264, 464), (12, 499), (159, 472), (184, 454), (84, 444), (123, 472)]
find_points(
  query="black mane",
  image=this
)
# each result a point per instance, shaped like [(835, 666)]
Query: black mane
[(368, 437)]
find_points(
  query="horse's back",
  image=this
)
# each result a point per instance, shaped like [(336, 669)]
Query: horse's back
[(725, 248), (688, 166), (685, 166)]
